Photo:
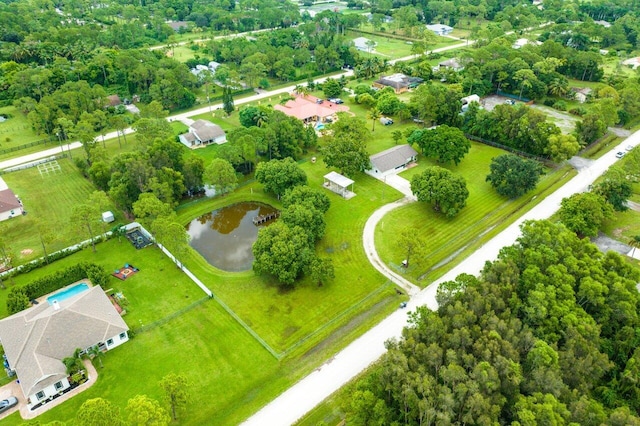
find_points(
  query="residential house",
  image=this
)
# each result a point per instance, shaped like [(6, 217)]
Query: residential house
[(521, 42), (440, 29), (213, 66), (178, 25), (364, 44), (202, 133), (10, 205), (450, 64), (392, 160), (36, 340), (581, 94), (201, 71), (633, 62), (399, 82), (310, 109), (466, 101)]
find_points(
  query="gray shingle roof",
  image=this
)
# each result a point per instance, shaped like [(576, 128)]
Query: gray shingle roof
[(392, 157), (37, 339), (206, 131)]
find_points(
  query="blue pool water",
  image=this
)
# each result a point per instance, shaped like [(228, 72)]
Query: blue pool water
[(71, 291), (319, 126)]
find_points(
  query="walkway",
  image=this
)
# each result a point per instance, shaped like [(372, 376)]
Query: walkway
[(351, 361)]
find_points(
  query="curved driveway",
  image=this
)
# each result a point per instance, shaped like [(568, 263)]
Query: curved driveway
[(333, 374)]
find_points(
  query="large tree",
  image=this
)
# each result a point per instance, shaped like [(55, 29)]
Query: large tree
[(279, 175), (345, 146), (584, 213), (446, 191), (305, 195), (221, 175), (144, 411), (616, 191), (307, 218), (283, 252), (176, 392), (98, 412), (512, 176), (444, 143)]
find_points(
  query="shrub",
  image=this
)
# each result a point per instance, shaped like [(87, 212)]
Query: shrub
[(579, 111), (560, 105), (548, 102)]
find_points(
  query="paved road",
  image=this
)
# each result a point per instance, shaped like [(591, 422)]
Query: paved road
[(184, 117), (328, 378)]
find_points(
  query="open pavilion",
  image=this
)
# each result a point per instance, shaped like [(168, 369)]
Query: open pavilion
[(339, 184)]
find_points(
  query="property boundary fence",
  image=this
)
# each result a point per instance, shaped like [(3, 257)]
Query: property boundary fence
[(169, 317), (546, 161), (32, 164), (25, 146)]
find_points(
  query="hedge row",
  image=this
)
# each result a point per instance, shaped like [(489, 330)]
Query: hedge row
[(19, 297)]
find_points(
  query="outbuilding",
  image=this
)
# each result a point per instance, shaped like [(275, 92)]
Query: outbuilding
[(392, 160)]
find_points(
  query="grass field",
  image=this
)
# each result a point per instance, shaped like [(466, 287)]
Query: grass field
[(16, 131), (48, 201), (447, 239)]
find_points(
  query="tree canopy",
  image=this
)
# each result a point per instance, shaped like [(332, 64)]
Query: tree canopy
[(584, 213), (446, 191), (345, 147), (279, 175), (444, 143), (547, 334), (512, 176)]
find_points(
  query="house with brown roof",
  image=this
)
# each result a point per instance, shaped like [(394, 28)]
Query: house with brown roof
[(202, 133), (10, 205), (310, 109), (399, 82), (36, 340), (392, 160)]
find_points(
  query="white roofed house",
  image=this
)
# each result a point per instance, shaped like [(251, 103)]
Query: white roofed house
[(364, 44), (392, 160), (440, 29), (37, 339), (202, 133)]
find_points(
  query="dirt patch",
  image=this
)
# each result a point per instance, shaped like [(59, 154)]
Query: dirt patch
[(26, 252)]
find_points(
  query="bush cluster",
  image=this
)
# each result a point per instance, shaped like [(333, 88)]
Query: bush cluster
[(20, 297)]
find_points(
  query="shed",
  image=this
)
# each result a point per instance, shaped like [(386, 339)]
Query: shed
[(107, 217), (392, 160), (339, 184)]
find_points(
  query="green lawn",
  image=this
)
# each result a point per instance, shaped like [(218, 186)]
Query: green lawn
[(485, 212), (49, 200), (16, 131)]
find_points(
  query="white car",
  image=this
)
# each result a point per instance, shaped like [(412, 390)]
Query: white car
[(629, 148), (619, 154), (6, 404)]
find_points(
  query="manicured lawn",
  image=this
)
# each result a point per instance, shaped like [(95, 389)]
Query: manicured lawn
[(16, 130), (485, 212), (49, 200), (308, 308)]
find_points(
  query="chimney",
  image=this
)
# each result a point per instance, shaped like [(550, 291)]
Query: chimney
[(56, 305)]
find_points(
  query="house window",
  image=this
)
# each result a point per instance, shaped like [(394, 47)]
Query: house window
[(123, 336), (40, 395), (109, 342), (58, 386)]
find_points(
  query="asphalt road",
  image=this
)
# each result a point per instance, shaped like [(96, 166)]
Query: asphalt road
[(333, 374)]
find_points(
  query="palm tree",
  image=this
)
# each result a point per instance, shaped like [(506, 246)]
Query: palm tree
[(634, 242), (95, 352), (374, 115)]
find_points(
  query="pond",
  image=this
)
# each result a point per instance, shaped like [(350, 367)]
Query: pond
[(225, 236)]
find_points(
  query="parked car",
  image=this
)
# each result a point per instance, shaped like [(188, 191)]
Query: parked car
[(386, 121), (8, 403), (629, 148), (319, 101), (336, 100), (620, 154), (510, 102)]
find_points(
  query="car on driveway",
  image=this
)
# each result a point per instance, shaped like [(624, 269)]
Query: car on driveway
[(8, 403), (510, 102), (629, 148), (386, 121), (336, 100), (620, 154)]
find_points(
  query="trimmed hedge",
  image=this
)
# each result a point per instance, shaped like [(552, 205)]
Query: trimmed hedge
[(19, 297)]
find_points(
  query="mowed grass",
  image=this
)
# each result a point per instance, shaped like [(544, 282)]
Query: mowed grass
[(49, 201), (447, 239), (16, 130), (304, 311)]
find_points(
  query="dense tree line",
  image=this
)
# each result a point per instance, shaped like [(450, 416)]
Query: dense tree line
[(548, 334)]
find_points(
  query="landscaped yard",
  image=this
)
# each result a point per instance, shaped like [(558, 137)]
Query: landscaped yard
[(446, 239), (48, 200)]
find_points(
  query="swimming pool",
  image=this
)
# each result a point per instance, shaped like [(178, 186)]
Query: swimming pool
[(319, 126), (65, 294)]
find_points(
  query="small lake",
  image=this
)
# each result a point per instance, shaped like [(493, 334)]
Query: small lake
[(225, 236)]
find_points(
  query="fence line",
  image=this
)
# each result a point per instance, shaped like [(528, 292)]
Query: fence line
[(25, 146), (32, 164), (169, 317), (510, 149), (334, 320)]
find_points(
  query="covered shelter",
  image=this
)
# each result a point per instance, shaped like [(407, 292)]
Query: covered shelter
[(339, 184)]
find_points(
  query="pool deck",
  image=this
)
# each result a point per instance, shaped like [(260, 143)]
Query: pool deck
[(43, 299)]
